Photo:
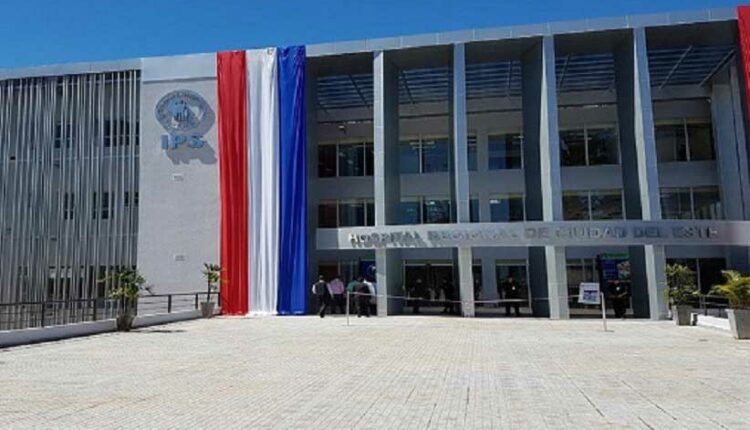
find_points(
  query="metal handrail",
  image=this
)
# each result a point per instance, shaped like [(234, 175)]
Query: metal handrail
[(44, 313)]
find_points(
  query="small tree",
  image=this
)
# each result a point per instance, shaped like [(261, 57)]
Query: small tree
[(212, 273), (127, 287), (736, 288), (681, 285)]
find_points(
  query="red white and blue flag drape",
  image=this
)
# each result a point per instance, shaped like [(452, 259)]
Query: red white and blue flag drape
[(263, 180)]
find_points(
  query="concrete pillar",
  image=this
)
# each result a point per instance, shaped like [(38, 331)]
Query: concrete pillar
[(640, 174), (463, 260), (548, 280), (386, 175), (731, 156)]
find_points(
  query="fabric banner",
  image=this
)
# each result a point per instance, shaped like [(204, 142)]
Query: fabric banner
[(232, 117), (292, 270), (743, 30), (263, 179)]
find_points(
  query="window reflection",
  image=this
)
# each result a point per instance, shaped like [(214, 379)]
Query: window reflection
[(506, 208), (435, 156), (504, 151), (602, 146), (572, 148), (575, 205)]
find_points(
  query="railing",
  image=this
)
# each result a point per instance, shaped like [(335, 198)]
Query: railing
[(20, 315)]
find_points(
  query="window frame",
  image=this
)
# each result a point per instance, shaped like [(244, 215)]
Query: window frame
[(585, 127)]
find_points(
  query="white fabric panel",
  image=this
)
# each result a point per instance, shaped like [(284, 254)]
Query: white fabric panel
[(263, 177)]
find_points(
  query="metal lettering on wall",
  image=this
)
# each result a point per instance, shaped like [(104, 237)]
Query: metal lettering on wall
[(594, 233), (186, 117)]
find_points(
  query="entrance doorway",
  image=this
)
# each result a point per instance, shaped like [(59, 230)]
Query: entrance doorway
[(428, 284)]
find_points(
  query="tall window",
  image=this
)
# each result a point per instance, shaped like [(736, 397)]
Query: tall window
[(345, 159), (684, 140), (424, 156), (590, 146), (425, 210), (68, 205), (63, 136), (471, 153), (506, 208), (691, 203), (592, 205), (504, 151), (473, 209), (101, 205)]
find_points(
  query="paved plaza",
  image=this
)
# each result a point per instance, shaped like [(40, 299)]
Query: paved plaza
[(400, 372)]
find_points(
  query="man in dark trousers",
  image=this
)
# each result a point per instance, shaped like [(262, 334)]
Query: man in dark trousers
[(511, 292), (363, 298), (321, 291), (448, 294), (619, 293)]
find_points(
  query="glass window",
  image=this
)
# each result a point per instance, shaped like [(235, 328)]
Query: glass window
[(435, 156), (603, 147), (410, 211), (351, 160), (506, 208), (472, 153), (326, 161), (437, 211), (579, 270), (504, 151), (369, 159), (572, 148), (68, 205), (707, 203), (327, 217), (701, 141), (408, 157), (710, 272), (670, 142), (675, 203), (575, 205), (351, 213), (606, 204), (474, 210), (370, 213)]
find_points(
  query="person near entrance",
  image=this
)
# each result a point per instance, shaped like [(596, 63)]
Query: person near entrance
[(511, 292), (323, 293), (337, 292), (351, 288), (417, 291), (448, 295), (363, 298), (619, 296)]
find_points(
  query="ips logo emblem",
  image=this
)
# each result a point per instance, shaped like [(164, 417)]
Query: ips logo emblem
[(186, 117)]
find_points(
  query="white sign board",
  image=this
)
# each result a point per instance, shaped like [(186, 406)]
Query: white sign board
[(588, 293)]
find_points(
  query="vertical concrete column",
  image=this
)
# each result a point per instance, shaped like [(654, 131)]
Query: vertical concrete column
[(731, 156), (547, 268), (461, 177), (386, 175), (640, 174)]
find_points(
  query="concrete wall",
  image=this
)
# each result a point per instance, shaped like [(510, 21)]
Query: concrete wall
[(179, 195)]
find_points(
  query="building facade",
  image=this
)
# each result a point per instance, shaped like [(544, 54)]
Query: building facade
[(459, 158)]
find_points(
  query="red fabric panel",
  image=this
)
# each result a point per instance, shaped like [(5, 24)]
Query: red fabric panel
[(232, 92), (743, 30)]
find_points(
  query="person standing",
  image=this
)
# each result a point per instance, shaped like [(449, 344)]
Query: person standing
[(448, 296), (323, 293), (363, 298), (417, 292), (373, 290), (351, 288), (511, 292), (618, 293), (337, 292)]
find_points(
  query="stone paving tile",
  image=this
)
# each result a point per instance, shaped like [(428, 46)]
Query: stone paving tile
[(395, 373)]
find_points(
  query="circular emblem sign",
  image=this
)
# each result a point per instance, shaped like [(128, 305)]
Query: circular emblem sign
[(184, 113)]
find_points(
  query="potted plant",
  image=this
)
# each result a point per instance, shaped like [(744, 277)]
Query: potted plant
[(681, 292), (212, 273), (736, 288), (127, 287)]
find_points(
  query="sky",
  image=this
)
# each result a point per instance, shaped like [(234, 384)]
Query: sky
[(36, 32)]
